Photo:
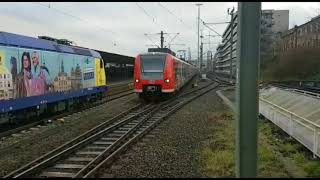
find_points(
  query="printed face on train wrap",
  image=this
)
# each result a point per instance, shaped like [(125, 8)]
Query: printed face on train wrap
[(29, 72)]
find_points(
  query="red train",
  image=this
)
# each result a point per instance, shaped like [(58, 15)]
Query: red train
[(159, 73)]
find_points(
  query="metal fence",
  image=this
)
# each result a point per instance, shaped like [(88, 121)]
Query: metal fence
[(300, 128)]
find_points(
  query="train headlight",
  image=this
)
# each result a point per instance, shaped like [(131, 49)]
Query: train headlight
[(167, 80), (137, 80)]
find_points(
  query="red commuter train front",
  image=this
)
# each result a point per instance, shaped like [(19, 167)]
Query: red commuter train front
[(153, 74)]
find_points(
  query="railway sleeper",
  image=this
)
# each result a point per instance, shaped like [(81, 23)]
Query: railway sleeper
[(68, 166), (65, 170), (109, 139), (88, 153), (156, 116), (102, 143), (129, 126), (135, 121), (137, 132), (53, 174), (79, 159), (96, 147), (120, 131), (116, 135), (132, 114), (124, 129)]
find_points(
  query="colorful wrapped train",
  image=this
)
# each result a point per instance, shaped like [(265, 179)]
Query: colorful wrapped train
[(39, 76)]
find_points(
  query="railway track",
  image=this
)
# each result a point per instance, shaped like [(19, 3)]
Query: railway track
[(312, 90), (8, 130), (216, 78), (84, 155)]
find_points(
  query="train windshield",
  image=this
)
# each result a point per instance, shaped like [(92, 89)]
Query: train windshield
[(152, 66)]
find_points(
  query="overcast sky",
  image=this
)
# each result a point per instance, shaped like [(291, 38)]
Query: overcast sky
[(120, 27)]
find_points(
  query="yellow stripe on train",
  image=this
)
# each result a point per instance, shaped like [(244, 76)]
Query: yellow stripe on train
[(100, 72)]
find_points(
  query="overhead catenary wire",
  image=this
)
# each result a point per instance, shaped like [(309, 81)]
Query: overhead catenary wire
[(153, 20), (180, 19), (80, 19), (151, 40), (146, 13), (76, 17), (177, 17), (210, 28)]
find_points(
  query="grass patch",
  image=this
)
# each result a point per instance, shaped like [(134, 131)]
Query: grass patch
[(278, 154), (217, 155), (219, 164), (269, 164), (299, 156)]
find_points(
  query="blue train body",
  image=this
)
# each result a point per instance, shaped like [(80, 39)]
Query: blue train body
[(36, 72)]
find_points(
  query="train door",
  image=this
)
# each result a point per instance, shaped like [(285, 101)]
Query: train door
[(181, 79), (176, 73)]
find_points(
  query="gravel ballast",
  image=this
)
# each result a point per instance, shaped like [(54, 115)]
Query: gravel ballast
[(28, 145), (174, 149), (197, 141)]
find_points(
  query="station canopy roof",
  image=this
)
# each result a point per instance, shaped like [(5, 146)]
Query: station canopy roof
[(116, 58)]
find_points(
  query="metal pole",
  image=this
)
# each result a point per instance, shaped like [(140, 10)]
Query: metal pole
[(161, 39), (209, 41), (231, 46), (248, 56), (201, 53), (198, 31)]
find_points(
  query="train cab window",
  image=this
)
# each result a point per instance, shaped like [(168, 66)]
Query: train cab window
[(152, 66)]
